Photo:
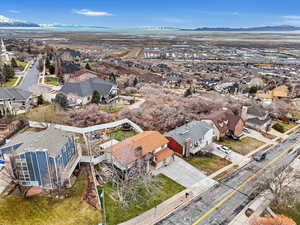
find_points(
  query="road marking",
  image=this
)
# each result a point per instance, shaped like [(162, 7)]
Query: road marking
[(212, 209)]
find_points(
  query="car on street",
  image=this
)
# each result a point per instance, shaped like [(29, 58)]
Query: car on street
[(260, 156)]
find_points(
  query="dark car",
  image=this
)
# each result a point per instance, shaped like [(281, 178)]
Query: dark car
[(260, 156)]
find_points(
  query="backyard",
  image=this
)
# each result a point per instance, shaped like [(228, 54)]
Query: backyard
[(121, 135), (243, 146), (165, 188), (208, 164), (286, 125), (45, 210), (111, 108), (45, 113)]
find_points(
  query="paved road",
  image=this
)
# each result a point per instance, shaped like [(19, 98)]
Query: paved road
[(220, 204), (31, 78)]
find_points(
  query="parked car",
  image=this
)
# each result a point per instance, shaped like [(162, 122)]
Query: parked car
[(260, 156), (223, 149), (246, 130)]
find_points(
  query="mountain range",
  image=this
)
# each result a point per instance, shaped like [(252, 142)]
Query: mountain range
[(8, 22), (264, 28)]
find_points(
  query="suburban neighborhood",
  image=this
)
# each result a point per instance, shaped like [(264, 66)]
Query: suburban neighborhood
[(147, 130)]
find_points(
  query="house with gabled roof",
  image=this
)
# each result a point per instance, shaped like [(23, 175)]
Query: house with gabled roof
[(146, 150), (190, 138), (256, 117)]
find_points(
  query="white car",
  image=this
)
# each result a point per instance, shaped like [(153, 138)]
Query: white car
[(224, 149)]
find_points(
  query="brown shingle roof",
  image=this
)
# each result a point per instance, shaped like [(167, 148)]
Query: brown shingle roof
[(125, 152), (163, 154)]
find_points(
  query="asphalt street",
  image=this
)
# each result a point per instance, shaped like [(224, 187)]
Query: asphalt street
[(31, 77), (220, 204)]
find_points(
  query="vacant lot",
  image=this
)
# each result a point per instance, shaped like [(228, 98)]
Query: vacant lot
[(45, 210), (121, 135), (45, 113), (244, 146), (208, 164), (164, 189)]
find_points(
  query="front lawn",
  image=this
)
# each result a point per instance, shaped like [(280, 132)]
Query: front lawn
[(165, 188), (46, 210), (286, 125), (11, 82), (293, 212), (244, 146), (209, 164), (52, 81), (121, 135)]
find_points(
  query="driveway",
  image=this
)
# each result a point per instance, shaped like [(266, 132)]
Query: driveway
[(256, 135), (4, 180), (233, 156), (31, 78), (184, 173)]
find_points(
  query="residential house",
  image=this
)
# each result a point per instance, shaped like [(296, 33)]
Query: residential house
[(256, 117), (79, 90), (190, 138), (267, 97), (14, 101), (144, 150), (43, 159), (225, 123)]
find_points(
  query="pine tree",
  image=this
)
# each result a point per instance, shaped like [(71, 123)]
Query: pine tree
[(96, 97), (13, 63), (88, 67)]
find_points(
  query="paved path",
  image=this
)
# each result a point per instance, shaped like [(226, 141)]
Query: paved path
[(31, 78), (182, 172), (259, 136)]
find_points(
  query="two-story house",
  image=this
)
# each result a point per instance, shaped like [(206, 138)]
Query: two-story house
[(44, 159), (145, 150), (190, 138), (256, 117)]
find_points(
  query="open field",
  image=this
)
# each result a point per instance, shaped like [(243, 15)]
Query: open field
[(45, 210), (244, 146), (165, 188), (208, 164)]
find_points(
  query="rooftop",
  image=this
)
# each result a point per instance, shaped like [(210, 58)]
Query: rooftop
[(51, 139)]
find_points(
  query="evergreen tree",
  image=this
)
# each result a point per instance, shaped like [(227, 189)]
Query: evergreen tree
[(62, 100), (135, 81), (96, 97), (40, 100), (188, 92), (88, 67), (47, 63), (13, 63)]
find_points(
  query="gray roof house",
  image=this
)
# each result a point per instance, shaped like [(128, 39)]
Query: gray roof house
[(14, 100), (44, 159), (256, 117), (190, 138), (81, 92)]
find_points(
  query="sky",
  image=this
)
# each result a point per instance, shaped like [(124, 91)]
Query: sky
[(170, 13)]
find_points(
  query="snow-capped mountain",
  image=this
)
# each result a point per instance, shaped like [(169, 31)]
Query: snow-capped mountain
[(8, 22)]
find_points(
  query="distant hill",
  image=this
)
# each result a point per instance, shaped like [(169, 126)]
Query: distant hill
[(71, 26), (8, 22), (265, 28)]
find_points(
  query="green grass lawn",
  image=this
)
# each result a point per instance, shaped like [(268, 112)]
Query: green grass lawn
[(111, 108), (115, 214), (286, 126), (45, 210), (208, 164), (121, 135), (293, 213), (11, 82), (244, 146), (52, 81)]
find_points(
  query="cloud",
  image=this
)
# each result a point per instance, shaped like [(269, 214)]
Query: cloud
[(13, 11), (291, 17), (87, 12), (173, 20)]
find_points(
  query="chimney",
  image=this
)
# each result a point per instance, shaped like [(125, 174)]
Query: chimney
[(187, 147), (138, 151)]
